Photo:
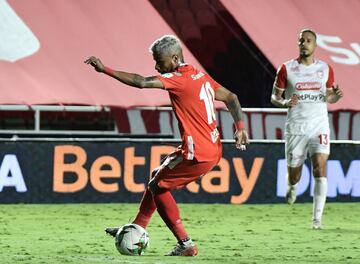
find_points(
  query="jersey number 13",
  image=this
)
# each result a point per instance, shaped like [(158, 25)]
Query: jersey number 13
[(323, 138)]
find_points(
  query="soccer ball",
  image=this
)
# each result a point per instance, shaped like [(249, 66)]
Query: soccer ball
[(131, 239)]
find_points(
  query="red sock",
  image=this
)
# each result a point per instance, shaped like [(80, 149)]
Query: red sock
[(147, 208), (169, 212)]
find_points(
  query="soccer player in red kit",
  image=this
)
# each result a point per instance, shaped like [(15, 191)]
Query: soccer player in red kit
[(192, 94)]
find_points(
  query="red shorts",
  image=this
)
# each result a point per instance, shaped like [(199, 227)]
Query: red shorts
[(176, 172)]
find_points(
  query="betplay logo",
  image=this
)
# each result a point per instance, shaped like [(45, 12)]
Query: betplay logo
[(11, 174), (340, 182)]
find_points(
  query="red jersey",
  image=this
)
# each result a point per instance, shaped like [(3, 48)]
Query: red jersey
[(192, 95)]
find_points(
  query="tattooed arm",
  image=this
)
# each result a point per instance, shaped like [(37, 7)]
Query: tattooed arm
[(231, 101), (233, 105), (131, 79), (136, 80)]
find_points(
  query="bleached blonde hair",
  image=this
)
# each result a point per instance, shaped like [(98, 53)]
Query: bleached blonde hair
[(168, 44)]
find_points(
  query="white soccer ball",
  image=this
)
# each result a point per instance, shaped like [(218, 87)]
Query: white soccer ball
[(131, 239)]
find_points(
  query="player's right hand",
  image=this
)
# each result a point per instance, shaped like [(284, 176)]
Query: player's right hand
[(292, 101), (96, 63)]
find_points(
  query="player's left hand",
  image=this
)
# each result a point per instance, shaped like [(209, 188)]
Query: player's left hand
[(242, 139), (337, 90)]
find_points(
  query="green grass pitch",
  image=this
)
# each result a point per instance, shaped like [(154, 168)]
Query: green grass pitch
[(271, 234)]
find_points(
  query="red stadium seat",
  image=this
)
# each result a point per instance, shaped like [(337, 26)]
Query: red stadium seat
[(168, 16), (184, 17), (197, 5), (159, 4), (217, 5), (208, 61), (206, 17), (189, 32), (196, 47), (179, 4), (211, 31)]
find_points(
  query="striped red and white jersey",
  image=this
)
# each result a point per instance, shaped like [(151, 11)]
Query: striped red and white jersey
[(309, 83), (192, 95)]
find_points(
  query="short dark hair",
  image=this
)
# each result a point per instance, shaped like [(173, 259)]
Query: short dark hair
[(308, 30)]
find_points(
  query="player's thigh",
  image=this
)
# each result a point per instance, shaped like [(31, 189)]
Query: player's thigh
[(319, 143), (179, 172), (296, 148), (319, 150)]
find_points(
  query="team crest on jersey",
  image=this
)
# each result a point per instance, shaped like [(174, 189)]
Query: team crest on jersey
[(295, 69), (320, 74), (167, 75)]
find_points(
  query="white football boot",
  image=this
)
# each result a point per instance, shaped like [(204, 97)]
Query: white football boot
[(290, 197), (187, 249), (316, 224)]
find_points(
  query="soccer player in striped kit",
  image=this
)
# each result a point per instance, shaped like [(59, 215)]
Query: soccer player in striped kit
[(192, 94), (307, 85)]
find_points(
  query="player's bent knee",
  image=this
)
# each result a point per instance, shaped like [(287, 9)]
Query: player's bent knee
[(319, 171), (154, 172), (154, 187)]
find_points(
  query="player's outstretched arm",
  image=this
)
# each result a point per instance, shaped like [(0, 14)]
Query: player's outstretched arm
[(278, 100), (334, 94), (131, 79), (233, 105)]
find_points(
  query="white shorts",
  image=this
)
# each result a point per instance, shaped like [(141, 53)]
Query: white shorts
[(297, 147)]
